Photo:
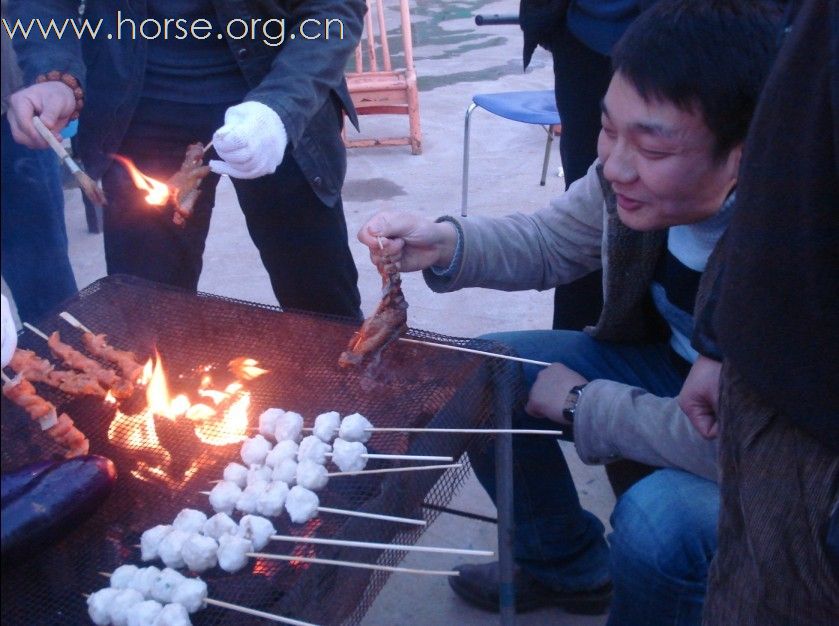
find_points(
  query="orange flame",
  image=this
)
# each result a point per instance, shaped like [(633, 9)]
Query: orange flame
[(157, 192), (246, 368)]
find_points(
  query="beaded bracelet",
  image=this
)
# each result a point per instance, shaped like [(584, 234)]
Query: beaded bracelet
[(69, 80)]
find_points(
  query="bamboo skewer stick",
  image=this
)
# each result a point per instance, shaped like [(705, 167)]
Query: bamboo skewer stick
[(6, 378), (402, 457), (391, 470), (381, 546), (36, 331), (89, 187), (378, 516), (208, 146), (381, 568), (478, 431), (75, 323), (471, 351), (242, 609)]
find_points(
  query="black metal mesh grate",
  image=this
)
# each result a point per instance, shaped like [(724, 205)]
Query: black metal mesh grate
[(413, 385)]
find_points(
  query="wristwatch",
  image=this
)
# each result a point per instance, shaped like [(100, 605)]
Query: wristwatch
[(571, 401)]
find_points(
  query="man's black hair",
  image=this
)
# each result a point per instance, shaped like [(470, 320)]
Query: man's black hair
[(710, 56)]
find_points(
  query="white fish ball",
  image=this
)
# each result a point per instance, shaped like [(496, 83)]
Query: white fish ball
[(250, 497), (224, 495), (232, 552), (121, 576), (144, 580), (144, 613), (218, 525), (173, 615), (285, 472), (170, 548), (256, 529), (286, 449), (349, 455), (190, 521), (313, 449), (165, 585), (312, 475), (354, 428), (271, 502), (268, 421), (236, 473), (122, 604), (301, 504), (259, 473), (326, 426), (255, 449), (289, 426), (99, 604), (150, 541), (199, 553), (191, 593)]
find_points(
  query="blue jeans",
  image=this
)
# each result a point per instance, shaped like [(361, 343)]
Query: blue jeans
[(556, 541), (35, 261), (665, 535)]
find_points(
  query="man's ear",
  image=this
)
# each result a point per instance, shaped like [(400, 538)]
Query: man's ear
[(732, 164)]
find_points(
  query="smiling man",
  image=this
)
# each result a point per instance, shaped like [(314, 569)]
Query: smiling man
[(650, 212)]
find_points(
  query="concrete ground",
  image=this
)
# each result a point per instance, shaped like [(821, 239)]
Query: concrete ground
[(454, 60)]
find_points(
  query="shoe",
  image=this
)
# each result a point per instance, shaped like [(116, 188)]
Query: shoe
[(478, 585)]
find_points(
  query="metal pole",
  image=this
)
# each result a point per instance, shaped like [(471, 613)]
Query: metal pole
[(503, 405)]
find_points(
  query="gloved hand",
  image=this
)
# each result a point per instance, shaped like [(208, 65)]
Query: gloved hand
[(251, 142), (9, 339)]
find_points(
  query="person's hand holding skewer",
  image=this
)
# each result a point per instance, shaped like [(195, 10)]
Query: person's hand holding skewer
[(52, 101), (413, 240), (251, 143)]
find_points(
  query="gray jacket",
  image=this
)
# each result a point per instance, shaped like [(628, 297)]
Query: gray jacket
[(577, 233)]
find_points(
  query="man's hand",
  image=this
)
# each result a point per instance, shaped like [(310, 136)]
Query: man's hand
[(547, 396), (414, 240), (52, 101), (251, 143), (700, 394)]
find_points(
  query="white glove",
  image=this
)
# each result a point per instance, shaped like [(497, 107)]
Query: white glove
[(251, 142), (9, 342)]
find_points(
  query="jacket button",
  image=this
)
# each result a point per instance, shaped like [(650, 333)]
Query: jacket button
[(242, 53), (316, 181)]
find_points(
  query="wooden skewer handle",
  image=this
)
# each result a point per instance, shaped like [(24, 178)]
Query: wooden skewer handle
[(393, 470), (269, 616), (477, 431), (381, 546), (444, 346), (379, 516), (381, 568), (403, 457), (56, 145)]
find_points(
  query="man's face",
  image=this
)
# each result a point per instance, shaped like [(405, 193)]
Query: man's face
[(659, 160)]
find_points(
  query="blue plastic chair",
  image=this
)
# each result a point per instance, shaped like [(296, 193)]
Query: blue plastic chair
[(529, 107)]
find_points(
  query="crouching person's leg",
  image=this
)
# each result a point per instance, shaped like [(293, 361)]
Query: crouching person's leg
[(665, 535)]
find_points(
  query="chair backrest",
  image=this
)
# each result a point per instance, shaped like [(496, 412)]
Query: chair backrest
[(373, 51)]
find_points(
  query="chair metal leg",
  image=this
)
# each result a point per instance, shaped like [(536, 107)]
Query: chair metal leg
[(548, 145), (465, 190)]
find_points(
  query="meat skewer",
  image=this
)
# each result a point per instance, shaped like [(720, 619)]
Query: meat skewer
[(185, 183), (59, 428), (98, 346), (33, 368), (120, 387), (385, 325)]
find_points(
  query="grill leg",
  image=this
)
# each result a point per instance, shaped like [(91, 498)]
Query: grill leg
[(465, 190), (548, 145), (503, 403)]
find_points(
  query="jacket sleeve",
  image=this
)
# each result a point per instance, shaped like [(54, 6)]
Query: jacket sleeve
[(616, 421), (37, 54), (306, 71), (555, 245)]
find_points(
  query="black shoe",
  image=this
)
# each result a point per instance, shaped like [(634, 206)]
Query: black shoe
[(478, 585)]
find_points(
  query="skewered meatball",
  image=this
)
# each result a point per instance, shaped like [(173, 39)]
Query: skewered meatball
[(250, 497), (122, 604), (268, 421), (354, 428), (232, 552), (144, 580), (121, 577), (313, 449), (150, 541), (191, 593), (289, 426), (311, 475), (236, 473), (326, 426), (301, 504), (258, 473), (190, 521), (170, 548), (172, 615), (144, 613), (285, 472), (283, 450), (218, 525), (257, 530), (271, 502), (255, 449), (165, 585), (199, 553), (349, 455), (99, 604), (223, 497)]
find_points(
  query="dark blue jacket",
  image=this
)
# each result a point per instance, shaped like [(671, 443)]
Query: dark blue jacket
[(302, 80)]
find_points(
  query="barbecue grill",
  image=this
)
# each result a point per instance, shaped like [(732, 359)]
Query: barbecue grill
[(411, 386)]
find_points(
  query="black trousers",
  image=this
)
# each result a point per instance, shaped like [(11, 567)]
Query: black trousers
[(581, 78), (303, 243)]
